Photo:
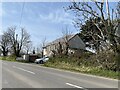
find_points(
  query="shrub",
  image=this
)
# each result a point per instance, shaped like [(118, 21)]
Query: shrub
[(106, 60), (9, 58)]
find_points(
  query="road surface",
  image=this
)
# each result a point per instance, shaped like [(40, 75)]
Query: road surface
[(23, 75)]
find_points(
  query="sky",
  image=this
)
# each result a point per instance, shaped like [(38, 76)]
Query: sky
[(40, 19)]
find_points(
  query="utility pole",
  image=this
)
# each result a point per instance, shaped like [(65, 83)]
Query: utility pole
[(112, 13), (108, 12)]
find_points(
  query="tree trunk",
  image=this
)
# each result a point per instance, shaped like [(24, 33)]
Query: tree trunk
[(4, 51), (18, 53), (66, 50)]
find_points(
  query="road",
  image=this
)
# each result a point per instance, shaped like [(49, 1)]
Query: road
[(23, 75)]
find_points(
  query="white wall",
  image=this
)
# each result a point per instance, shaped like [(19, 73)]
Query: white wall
[(44, 52)]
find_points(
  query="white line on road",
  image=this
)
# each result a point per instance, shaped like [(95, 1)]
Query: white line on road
[(74, 85), (78, 73), (99, 77), (24, 70)]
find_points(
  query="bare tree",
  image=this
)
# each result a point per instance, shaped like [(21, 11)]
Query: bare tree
[(66, 33), (86, 10), (5, 44), (28, 47), (39, 49), (118, 10), (17, 41), (59, 50), (34, 51), (43, 44)]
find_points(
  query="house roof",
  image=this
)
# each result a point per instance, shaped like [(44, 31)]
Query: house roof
[(61, 39)]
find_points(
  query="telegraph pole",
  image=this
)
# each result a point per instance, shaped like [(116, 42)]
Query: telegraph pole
[(108, 12)]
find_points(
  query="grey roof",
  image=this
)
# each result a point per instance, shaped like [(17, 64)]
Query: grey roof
[(61, 39)]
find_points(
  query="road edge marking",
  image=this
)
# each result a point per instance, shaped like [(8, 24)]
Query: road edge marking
[(94, 76)]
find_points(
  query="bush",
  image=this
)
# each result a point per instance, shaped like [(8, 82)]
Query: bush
[(9, 58), (106, 60), (80, 65), (103, 64)]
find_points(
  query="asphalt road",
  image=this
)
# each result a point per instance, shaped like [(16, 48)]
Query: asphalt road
[(21, 75)]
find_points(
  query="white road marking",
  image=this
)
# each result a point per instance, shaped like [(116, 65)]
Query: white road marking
[(89, 75), (24, 70), (74, 85)]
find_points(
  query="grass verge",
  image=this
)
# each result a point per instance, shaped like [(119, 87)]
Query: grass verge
[(12, 58), (8, 58), (62, 63)]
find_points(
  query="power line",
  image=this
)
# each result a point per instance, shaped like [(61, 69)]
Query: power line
[(22, 13)]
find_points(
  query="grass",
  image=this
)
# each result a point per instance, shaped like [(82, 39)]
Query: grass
[(12, 58), (8, 58), (68, 64)]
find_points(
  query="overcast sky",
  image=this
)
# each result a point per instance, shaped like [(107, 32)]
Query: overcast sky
[(39, 19)]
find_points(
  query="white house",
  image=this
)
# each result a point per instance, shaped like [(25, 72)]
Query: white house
[(74, 43)]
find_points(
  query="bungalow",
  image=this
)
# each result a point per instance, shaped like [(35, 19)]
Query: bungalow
[(74, 43)]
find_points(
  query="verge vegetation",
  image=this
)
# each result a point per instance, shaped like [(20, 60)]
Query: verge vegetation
[(88, 63), (12, 58), (8, 58)]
